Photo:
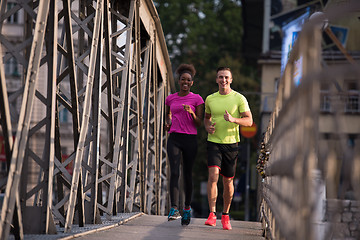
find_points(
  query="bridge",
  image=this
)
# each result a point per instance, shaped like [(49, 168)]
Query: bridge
[(310, 155), (103, 66), (81, 120)]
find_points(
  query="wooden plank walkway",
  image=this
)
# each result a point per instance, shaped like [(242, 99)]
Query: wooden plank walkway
[(148, 227)]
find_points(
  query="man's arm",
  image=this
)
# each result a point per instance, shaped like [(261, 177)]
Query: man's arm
[(246, 119), (209, 126)]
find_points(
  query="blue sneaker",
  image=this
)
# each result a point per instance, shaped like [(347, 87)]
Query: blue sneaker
[(174, 214), (185, 220)]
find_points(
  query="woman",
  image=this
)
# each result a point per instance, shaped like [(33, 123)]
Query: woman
[(184, 111)]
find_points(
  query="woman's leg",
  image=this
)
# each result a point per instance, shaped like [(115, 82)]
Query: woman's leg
[(189, 156), (174, 156)]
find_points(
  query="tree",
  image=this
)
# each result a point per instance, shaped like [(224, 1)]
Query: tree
[(201, 31)]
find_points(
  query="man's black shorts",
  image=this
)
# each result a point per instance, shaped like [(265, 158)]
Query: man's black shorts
[(224, 157)]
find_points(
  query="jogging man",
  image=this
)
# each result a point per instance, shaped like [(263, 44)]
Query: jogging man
[(225, 111)]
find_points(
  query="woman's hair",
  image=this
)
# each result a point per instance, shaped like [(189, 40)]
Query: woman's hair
[(186, 68)]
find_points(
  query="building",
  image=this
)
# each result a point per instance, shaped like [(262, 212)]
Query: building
[(338, 124), (348, 33)]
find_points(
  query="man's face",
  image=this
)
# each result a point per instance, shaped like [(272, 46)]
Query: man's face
[(224, 79)]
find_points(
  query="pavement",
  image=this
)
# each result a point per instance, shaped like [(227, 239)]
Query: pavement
[(139, 226), (148, 227)]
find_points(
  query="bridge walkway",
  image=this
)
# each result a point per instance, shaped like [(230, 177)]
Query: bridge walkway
[(140, 226), (146, 227)]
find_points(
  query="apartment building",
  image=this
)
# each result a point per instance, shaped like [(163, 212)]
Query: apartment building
[(15, 43), (347, 33)]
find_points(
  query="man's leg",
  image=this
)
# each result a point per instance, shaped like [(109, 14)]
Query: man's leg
[(214, 163), (212, 192), (212, 189), (228, 193)]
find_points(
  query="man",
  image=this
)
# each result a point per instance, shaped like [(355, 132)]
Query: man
[(225, 111)]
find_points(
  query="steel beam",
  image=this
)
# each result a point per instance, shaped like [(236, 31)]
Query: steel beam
[(109, 72), (20, 144)]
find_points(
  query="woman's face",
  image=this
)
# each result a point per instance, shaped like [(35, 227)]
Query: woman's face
[(185, 82)]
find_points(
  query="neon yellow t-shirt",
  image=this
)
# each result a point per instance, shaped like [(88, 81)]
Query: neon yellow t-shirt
[(216, 104)]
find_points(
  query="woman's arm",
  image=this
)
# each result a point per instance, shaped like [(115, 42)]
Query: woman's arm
[(197, 115), (167, 118)]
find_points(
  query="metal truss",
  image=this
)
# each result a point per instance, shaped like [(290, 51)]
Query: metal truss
[(109, 71)]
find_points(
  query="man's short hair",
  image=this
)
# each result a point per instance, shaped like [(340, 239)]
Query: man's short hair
[(223, 68)]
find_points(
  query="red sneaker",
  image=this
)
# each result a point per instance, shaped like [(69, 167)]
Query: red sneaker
[(225, 220), (211, 221)]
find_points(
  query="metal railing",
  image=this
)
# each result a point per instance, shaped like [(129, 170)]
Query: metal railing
[(306, 159)]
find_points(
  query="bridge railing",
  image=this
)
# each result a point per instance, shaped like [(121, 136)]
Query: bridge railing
[(82, 120), (310, 156)]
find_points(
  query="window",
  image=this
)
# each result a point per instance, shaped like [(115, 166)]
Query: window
[(63, 112), (12, 68), (63, 115), (352, 97), (352, 102), (14, 18), (325, 102), (351, 141), (351, 85), (325, 99)]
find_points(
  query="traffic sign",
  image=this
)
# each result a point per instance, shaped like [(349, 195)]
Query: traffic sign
[(248, 132)]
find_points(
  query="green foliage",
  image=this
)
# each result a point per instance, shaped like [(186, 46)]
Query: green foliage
[(201, 31)]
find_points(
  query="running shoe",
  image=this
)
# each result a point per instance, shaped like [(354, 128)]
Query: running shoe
[(211, 221), (174, 214), (225, 220), (185, 220)]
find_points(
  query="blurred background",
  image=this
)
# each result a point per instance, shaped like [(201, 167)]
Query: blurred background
[(253, 38)]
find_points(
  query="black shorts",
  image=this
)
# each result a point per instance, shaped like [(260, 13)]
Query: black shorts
[(224, 157)]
